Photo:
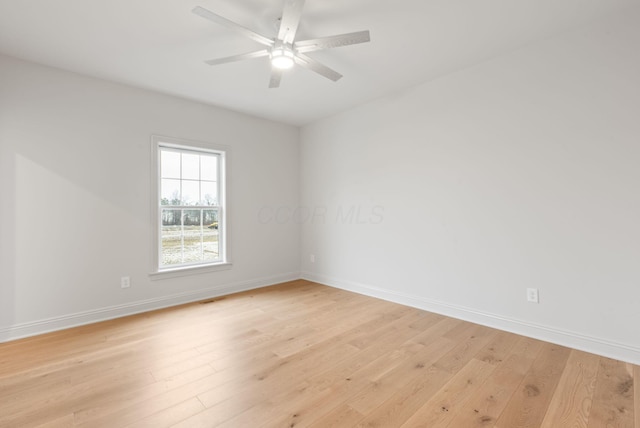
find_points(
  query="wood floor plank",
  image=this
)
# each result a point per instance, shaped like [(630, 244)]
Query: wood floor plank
[(498, 349), (470, 342), (408, 399), (55, 403), (613, 404), (529, 404), (571, 403), (411, 366), (343, 416), (65, 421), (451, 398), (406, 388), (169, 416), (139, 403), (300, 354), (485, 405), (389, 338)]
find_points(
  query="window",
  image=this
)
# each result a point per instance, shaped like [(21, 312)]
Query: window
[(190, 205)]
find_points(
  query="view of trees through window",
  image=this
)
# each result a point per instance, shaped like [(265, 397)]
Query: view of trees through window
[(189, 207)]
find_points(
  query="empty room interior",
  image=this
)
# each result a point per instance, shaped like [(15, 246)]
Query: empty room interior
[(288, 213)]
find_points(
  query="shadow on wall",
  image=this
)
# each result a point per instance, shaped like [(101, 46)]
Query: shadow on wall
[(95, 134)]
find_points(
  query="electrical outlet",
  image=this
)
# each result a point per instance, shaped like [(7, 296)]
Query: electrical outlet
[(532, 295), (125, 282), (312, 258)]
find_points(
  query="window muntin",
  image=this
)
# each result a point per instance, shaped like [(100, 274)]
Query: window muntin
[(190, 202)]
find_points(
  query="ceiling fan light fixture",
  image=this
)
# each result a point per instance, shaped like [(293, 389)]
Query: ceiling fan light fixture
[(282, 58), (285, 50)]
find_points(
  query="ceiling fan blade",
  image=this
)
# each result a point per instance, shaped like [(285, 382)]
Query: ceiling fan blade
[(249, 55), (276, 76), (332, 41), (313, 65), (290, 20), (207, 14)]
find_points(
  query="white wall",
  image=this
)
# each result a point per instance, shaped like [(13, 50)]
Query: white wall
[(75, 186), (523, 171)]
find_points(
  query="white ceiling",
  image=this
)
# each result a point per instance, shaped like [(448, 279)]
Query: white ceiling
[(161, 45)]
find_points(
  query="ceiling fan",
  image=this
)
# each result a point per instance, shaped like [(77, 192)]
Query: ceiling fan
[(284, 50)]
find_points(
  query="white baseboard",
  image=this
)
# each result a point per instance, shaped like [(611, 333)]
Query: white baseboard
[(19, 331), (594, 345)]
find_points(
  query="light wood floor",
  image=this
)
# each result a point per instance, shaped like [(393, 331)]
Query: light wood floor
[(305, 355)]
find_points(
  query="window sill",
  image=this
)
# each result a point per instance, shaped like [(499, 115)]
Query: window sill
[(188, 270)]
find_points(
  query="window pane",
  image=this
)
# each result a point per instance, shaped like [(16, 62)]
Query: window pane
[(170, 192), (191, 218), (210, 219), (170, 164), (171, 237), (192, 236), (190, 166), (210, 244), (190, 192), (171, 217), (209, 165), (208, 193)]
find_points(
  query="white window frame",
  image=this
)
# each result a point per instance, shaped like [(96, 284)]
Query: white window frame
[(158, 141)]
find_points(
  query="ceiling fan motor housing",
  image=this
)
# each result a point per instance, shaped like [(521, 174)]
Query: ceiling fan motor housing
[(282, 55)]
